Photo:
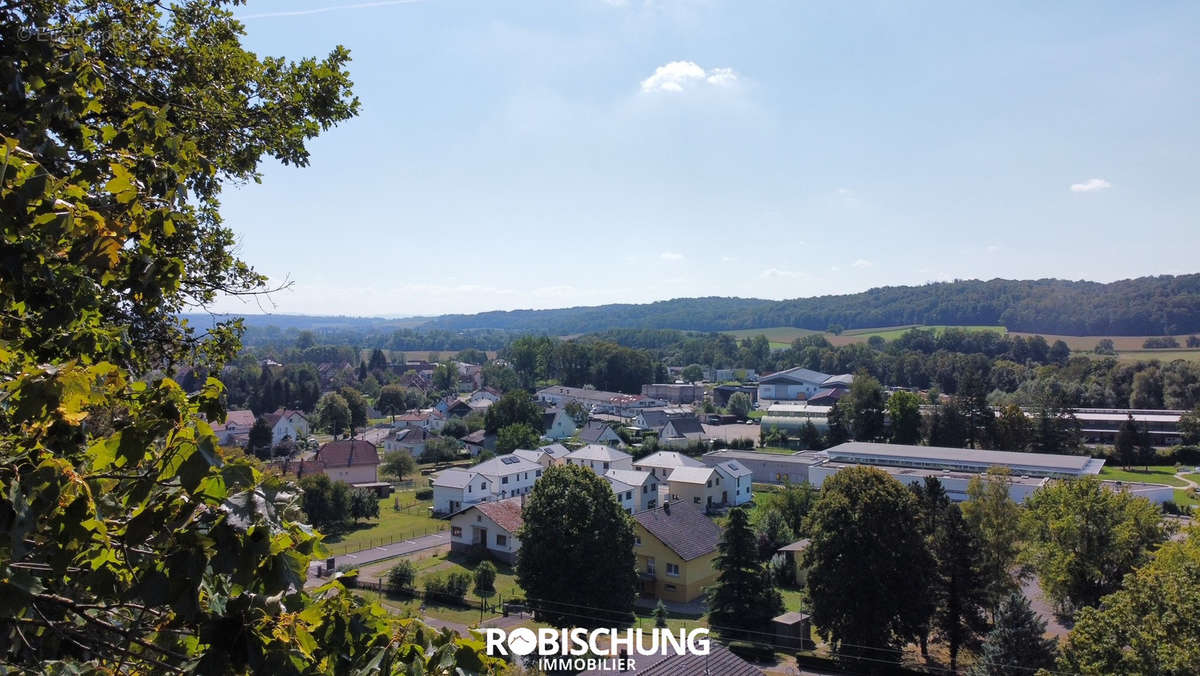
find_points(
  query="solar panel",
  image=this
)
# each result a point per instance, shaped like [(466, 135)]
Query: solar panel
[(509, 460)]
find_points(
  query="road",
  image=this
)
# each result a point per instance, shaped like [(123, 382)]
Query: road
[(366, 556)]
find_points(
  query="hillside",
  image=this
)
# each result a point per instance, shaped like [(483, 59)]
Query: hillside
[(1143, 306)]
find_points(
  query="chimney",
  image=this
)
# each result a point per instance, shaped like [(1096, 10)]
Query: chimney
[(667, 506)]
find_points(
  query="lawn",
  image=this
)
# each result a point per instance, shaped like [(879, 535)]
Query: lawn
[(411, 521), (775, 449), (1184, 497), (1158, 474)]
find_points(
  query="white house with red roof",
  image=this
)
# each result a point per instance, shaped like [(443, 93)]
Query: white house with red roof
[(492, 525)]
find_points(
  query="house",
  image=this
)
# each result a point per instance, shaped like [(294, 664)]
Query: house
[(736, 481), (798, 383), (479, 441), (701, 487), (411, 439), (287, 424), (675, 547), (430, 419), (558, 424), (351, 460), (458, 409), (556, 452), (491, 525), (470, 376), (236, 428), (681, 432), (488, 394), (674, 392), (655, 418), (792, 555), (501, 477), (600, 458), (598, 401), (596, 432), (660, 464), (719, 661), (635, 490)]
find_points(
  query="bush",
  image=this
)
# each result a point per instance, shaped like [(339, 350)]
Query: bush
[(452, 587), (425, 494), (401, 576), (1160, 342), (752, 651)]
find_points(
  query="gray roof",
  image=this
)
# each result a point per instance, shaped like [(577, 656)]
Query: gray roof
[(796, 375), (686, 531), (598, 452), (505, 464), (691, 475), (860, 451), (724, 454), (453, 478), (684, 426), (531, 456), (668, 460), (628, 477), (555, 450), (734, 468), (593, 430)]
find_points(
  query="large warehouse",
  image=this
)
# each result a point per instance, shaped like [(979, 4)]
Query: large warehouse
[(963, 459)]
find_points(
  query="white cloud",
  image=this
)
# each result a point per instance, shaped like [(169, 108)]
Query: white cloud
[(680, 75), (671, 256), (992, 248), (861, 263), (835, 268), (1091, 185), (728, 259), (776, 273)]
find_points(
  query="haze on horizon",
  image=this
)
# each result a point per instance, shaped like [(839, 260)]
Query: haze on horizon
[(555, 154)]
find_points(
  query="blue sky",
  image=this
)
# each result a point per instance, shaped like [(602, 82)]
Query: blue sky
[(578, 152)]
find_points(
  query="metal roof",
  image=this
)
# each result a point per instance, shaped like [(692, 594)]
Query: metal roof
[(858, 451)]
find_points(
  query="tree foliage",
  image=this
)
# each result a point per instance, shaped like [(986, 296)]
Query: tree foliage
[(744, 598), (868, 567), (514, 408), (398, 464), (1082, 539), (1016, 644), (576, 550), (333, 413), (1150, 625), (519, 435), (996, 518)]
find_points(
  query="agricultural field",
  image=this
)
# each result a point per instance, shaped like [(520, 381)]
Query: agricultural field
[(1129, 348), (781, 337), (412, 355)]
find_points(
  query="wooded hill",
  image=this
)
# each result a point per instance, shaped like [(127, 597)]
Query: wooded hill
[(1159, 305)]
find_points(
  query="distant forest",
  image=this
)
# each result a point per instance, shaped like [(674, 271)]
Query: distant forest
[(1160, 305)]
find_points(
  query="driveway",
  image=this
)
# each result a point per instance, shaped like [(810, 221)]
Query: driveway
[(366, 556)]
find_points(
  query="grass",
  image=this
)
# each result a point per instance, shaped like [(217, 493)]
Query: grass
[(1158, 474), (781, 337), (391, 526), (1160, 355), (775, 449), (1184, 497)]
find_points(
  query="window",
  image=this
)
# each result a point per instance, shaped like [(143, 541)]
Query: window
[(538, 473), (502, 540), (696, 500), (669, 587), (483, 486), (456, 531), (637, 540), (606, 465), (645, 488), (718, 481), (650, 565), (503, 479), (708, 484), (468, 488), (628, 495), (672, 570)]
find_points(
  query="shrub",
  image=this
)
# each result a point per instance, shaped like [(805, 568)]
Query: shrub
[(425, 494), (401, 576), (452, 587)]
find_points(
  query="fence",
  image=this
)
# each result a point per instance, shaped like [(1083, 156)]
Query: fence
[(496, 605), (383, 541)]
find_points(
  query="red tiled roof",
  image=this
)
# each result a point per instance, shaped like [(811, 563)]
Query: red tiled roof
[(506, 513), (348, 452)]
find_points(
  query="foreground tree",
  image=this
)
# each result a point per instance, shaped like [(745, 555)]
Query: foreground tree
[(132, 545), (1016, 645), (1084, 538), (868, 567), (997, 519), (576, 551), (333, 413), (363, 505), (744, 599), (260, 438), (958, 586), (1150, 625), (904, 409), (392, 400)]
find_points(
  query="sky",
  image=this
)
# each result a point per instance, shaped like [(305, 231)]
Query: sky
[(579, 152)]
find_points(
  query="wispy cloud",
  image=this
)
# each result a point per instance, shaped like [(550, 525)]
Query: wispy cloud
[(677, 76), (671, 256), (776, 273), (992, 248), (1091, 185), (322, 10), (861, 263)]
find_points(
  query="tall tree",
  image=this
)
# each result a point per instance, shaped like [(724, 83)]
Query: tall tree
[(378, 361), (958, 588), (1126, 442), (445, 377), (1016, 644), (392, 400), (132, 545), (740, 404), (333, 413), (904, 409), (576, 550), (864, 408), (1083, 538), (992, 513), (868, 567), (260, 438), (513, 408), (519, 435), (838, 430), (358, 407), (744, 598), (398, 464), (1150, 625), (485, 580), (693, 373), (1013, 430), (363, 505), (948, 427)]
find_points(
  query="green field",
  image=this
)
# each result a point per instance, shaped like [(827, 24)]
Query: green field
[(781, 337), (391, 526), (1158, 474), (1160, 355)]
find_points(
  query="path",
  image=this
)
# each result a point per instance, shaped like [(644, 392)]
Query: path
[(365, 556)]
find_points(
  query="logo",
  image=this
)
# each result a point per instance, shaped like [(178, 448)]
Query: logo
[(578, 649)]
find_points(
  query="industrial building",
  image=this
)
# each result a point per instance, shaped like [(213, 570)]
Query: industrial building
[(767, 468)]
